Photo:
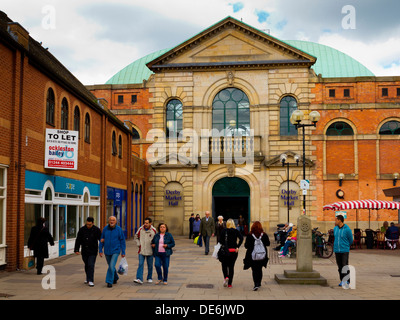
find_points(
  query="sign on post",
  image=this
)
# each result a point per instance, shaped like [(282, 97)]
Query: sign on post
[(61, 149)]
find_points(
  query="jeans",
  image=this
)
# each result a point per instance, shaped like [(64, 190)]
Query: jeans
[(342, 259), (207, 243), (112, 275), (228, 266), (139, 273), (162, 260), (89, 261)]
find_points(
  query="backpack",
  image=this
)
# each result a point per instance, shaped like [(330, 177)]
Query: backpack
[(259, 249)]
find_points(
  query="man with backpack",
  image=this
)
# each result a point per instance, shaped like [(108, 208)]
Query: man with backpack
[(257, 254)]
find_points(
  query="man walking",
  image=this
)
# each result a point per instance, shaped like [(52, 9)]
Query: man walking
[(88, 237), (341, 246), (144, 235), (207, 230), (191, 220), (113, 242)]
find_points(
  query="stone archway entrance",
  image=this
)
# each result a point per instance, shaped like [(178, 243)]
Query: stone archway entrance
[(231, 198)]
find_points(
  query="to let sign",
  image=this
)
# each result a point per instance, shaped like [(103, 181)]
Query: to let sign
[(61, 150)]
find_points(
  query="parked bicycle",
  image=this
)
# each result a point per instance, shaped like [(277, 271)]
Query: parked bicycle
[(323, 246)]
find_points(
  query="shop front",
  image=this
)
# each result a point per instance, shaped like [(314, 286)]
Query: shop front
[(116, 206), (64, 203)]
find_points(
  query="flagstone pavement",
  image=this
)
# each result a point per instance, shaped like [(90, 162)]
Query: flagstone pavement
[(196, 276)]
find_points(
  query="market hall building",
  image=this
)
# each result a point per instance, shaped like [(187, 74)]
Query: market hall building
[(41, 102), (239, 80)]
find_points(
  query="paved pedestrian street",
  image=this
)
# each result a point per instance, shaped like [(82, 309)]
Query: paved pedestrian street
[(195, 276)]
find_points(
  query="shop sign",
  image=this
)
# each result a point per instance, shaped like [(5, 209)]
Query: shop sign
[(61, 149), (173, 197), (290, 198)]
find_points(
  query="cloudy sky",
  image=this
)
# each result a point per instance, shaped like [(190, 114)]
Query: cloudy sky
[(96, 39)]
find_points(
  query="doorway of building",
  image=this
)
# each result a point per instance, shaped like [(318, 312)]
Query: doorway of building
[(231, 198)]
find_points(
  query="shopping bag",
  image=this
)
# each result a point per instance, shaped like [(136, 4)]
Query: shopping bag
[(29, 261), (216, 249), (123, 267), (196, 240)]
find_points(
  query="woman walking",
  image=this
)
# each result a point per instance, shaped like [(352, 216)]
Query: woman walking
[(220, 225), (256, 255), (231, 239), (163, 242)]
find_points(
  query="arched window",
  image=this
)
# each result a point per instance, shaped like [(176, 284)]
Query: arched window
[(390, 128), (120, 146), (231, 112), (87, 128), (114, 144), (174, 118), (135, 134), (50, 104), (77, 120), (64, 114), (339, 128), (288, 104)]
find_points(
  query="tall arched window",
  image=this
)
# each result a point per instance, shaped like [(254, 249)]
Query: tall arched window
[(50, 104), (87, 128), (174, 118), (120, 146), (77, 120), (339, 128), (64, 114), (231, 112), (114, 144), (390, 128), (288, 104)]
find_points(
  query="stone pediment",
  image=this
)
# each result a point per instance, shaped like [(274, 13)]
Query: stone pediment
[(231, 43)]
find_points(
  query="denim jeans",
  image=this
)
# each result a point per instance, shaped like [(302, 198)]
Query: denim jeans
[(162, 260), (89, 266), (139, 273), (206, 243), (112, 275)]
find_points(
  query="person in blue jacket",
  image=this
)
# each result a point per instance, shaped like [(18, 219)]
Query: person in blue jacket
[(162, 243), (341, 246), (113, 241)]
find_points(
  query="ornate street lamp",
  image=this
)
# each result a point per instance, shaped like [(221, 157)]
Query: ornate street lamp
[(296, 118)]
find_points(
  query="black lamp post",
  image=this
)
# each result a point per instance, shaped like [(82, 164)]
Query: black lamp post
[(296, 118), (283, 158)]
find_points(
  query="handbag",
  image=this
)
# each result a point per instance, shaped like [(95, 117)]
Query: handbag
[(223, 250)]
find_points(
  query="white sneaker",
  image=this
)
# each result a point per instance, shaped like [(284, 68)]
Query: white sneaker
[(149, 280), (91, 284), (138, 281)]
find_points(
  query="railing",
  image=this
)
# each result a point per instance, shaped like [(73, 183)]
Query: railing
[(235, 144)]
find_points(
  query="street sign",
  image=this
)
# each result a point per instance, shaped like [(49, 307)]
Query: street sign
[(305, 184)]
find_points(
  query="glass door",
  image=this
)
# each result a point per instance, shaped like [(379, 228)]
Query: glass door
[(62, 231)]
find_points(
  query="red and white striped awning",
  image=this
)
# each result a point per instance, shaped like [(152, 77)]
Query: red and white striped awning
[(363, 204)]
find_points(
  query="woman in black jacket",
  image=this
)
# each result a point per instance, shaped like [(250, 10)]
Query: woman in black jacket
[(256, 265), (232, 239), (37, 242)]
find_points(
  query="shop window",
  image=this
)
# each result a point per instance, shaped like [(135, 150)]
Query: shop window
[(87, 128), (32, 213), (385, 92), (332, 93), (231, 112), (114, 144), (390, 128), (120, 147), (64, 114), (340, 128), (288, 104), (3, 193), (50, 105), (77, 120), (72, 227), (174, 118)]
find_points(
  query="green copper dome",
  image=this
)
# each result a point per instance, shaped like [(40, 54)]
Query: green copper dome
[(331, 63)]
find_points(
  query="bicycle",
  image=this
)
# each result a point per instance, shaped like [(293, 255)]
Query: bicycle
[(323, 247)]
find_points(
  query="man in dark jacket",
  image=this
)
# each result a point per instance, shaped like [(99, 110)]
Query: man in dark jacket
[(88, 237), (37, 242)]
